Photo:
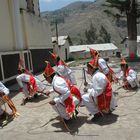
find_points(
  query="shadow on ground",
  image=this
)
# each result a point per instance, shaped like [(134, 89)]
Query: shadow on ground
[(5, 119), (105, 120), (73, 125)]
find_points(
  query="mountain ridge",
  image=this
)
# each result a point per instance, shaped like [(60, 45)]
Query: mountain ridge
[(75, 18)]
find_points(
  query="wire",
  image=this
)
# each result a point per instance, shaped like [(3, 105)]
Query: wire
[(37, 106)]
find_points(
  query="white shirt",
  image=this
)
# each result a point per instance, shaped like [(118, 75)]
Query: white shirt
[(4, 89), (98, 84), (103, 66), (60, 86), (66, 72)]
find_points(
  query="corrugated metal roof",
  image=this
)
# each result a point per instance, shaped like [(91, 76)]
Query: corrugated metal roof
[(61, 40), (98, 47)]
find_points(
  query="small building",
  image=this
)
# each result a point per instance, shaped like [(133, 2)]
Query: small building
[(62, 47), (83, 51), (125, 42)]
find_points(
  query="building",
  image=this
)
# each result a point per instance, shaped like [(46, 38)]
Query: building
[(126, 49), (83, 51), (62, 47), (23, 33)]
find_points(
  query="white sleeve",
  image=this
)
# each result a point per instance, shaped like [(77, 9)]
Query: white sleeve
[(99, 86), (4, 89), (60, 70), (61, 87), (132, 75), (22, 78), (103, 66)]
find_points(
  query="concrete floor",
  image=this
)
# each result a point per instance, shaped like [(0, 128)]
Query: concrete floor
[(39, 121)]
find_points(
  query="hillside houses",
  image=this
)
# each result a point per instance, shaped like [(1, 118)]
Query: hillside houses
[(83, 51), (61, 46)]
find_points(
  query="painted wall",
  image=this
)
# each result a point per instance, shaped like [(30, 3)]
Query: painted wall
[(6, 27), (22, 31), (61, 51), (37, 33), (126, 49)]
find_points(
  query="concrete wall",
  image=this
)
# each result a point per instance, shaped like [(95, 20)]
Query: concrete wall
[(61, 50), (126, 49), (6, 27), (37, 33), (22, 34)]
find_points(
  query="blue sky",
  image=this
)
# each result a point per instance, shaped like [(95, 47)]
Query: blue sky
[(51, 5)]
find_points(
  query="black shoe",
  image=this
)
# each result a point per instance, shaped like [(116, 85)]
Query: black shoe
[(36, 96), (24, 101), (135, 88), (96, 117), (3, 116), (76, 112), (67, 121), (74, 115)]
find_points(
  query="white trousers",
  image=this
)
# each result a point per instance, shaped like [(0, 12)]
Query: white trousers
[(91, 104), (61, 109)]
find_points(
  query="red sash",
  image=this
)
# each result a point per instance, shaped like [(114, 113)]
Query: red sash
[(73, 89), (111, 76), (105, 98), (69, 104), (31, 86), (69, 101), (127, 72), (126, 84), (75, 92)]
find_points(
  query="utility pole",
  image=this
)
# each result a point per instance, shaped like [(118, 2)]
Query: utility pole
[(56, 33)]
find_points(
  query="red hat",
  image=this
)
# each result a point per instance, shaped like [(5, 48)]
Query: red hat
[(123, 61), (54, 55), (93, 52), (48, 70), (93, 63)]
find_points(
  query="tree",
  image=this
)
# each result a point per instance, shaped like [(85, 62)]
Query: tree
[(132, 11), (105, 35), (90, 35)]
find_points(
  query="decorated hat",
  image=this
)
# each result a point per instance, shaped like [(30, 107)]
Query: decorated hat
[(93, 52), (93, 63), (123, 62), (53, 55), (48, 70)]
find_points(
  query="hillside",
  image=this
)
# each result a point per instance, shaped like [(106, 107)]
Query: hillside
[(76, 18)]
